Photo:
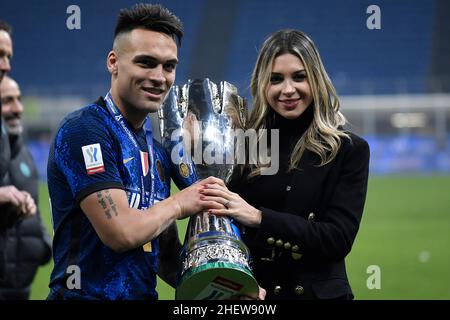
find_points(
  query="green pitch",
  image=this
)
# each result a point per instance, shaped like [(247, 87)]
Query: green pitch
[(405, 232)]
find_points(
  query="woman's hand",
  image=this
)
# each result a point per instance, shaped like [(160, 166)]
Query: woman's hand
[(233, 205)]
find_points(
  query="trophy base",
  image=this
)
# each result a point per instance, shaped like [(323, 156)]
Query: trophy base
[(217, 281)]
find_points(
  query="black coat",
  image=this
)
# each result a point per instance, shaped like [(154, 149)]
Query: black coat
[(298, 252), (5, 156), (28, 244)]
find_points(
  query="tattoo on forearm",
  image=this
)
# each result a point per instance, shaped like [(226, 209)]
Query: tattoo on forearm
[(104, 200), (111, 203), (101, 200)]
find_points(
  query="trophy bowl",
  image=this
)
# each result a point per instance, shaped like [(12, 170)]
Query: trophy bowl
[(197, 123)]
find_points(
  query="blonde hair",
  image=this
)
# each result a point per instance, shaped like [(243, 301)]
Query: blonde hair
[(323, 136)]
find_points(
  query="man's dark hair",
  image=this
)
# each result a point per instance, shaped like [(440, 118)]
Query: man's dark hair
[(150, 17), (6, 27)]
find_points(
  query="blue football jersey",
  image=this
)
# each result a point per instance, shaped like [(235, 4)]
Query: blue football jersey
[(93, 152)]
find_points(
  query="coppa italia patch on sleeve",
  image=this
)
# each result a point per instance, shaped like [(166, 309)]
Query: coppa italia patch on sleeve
[(93, 158)]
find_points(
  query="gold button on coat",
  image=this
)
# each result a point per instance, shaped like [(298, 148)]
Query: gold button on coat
[(287, 245), (295, 248), (276, 290), (296, 255), (299, 290), (270, 241), (279, 243), (311, 216), (288, 188)]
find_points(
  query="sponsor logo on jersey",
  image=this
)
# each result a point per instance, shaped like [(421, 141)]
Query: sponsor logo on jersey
[(125, 161)]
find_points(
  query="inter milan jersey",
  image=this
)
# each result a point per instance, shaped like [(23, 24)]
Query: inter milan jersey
[(92, 151)]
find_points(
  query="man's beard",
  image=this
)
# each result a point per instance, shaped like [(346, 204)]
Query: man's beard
[(14, 130)]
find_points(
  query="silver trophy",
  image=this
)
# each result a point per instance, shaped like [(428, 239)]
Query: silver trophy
[(198, 122)]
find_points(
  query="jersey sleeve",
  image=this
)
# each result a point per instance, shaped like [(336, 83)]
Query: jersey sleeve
[(87, 156)]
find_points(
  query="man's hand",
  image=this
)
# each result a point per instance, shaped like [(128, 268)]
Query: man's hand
[(121, 228), (191, 200), (21, 200), (10, 194), (28, 208)]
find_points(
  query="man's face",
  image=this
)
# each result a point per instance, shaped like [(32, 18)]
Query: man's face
[(6, 53), (12, 107), (143, 66)]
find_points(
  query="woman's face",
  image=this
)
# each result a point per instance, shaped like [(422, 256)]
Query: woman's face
[(288, 91)]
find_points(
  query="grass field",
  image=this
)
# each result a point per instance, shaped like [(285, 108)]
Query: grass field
[(405, 231)]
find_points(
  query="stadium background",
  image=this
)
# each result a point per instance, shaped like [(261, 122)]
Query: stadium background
[(395, 90)]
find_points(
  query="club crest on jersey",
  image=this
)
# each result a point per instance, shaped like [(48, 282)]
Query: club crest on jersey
[(144, 162), (93, 159), (183, 169)]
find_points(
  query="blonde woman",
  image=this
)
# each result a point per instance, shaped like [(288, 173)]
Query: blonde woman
[(300, 223)]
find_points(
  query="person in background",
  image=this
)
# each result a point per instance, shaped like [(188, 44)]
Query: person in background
[(28, 243), (14, 204)]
